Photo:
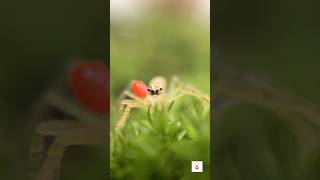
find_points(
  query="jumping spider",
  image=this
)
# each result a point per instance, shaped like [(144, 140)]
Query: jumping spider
[(66, 123), (156, 95)]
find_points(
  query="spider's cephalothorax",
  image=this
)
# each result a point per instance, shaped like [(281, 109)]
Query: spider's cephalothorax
[(156, 95)]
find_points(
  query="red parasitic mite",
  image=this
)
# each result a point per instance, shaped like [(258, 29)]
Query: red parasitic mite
[(139, 88), (89, 83)]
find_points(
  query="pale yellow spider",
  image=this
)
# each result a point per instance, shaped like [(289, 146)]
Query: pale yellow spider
[(157, 95), (65, 122)]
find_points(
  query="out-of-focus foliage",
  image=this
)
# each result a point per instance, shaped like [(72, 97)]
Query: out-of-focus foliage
[(164, 146)]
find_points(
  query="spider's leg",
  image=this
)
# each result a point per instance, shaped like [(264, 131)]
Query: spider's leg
[(38, 146), (202, 97), (66, 133), (174, 83), (202, 94), (131, 96), (74, 110), (36, 154), (129, 104), (178, 88)]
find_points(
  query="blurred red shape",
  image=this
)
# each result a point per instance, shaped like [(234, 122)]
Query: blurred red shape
[(89, 82), (139, 88)]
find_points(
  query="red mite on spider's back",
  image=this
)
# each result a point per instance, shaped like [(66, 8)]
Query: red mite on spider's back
[(89, 83), (84, 125)]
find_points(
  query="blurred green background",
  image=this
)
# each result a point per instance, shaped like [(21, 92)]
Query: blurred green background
[(277, 41), (165, 41), (164, 46), (38, 38)]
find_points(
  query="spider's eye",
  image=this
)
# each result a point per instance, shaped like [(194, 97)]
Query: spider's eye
[(160, 89), (148, 89)]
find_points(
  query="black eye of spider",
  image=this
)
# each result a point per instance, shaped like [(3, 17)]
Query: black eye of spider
[(148, 89), (157, 92), (160, 89), (152, 92)]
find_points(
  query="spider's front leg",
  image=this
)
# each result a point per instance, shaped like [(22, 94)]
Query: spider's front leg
[(187, 90), (66, 134), (131, 96), (126, 105)]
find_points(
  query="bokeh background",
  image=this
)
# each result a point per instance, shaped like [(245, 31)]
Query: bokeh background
[(167, 38), (276, 41), (38, 39)]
